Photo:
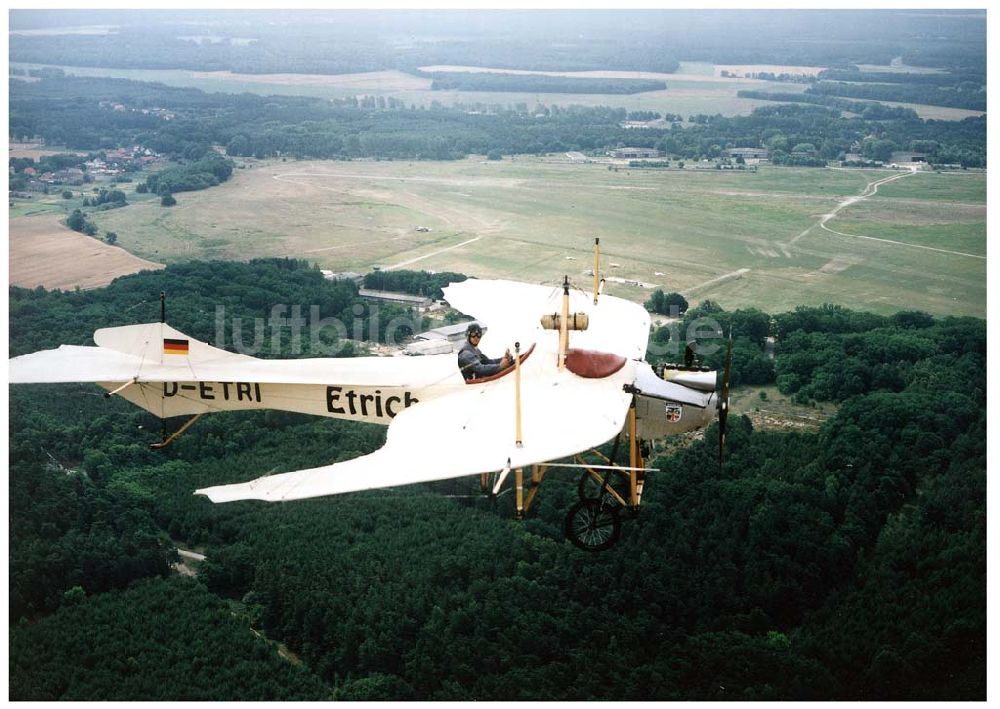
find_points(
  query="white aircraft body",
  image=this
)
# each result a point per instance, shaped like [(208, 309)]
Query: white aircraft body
[(440, 425)]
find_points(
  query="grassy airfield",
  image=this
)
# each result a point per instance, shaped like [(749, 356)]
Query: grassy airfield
[(742, 239)]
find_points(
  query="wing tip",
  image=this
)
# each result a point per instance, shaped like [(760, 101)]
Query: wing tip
[(229, 493)]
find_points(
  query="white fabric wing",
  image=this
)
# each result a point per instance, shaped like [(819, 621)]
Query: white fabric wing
[(73, 363), (469, 432), (124, 353), (136, 352), (511, 312)]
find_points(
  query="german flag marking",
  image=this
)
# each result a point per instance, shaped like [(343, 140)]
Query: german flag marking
[(178, 347)]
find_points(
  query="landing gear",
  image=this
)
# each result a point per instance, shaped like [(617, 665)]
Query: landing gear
[(591, 488), (593, 525), (605, 491), (487, 481)]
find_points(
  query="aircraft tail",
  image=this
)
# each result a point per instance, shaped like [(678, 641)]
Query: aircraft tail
[(153, 351), (160, 343)]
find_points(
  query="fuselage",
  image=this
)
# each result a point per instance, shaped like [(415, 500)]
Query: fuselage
[(369, 389)]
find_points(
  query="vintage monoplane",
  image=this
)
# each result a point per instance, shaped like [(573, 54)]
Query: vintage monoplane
[(559, 400)]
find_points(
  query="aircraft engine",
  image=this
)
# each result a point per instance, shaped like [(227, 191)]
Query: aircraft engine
[(657, 418), (682, 400)]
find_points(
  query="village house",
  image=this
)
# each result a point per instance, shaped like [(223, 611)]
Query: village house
[(69, 174)]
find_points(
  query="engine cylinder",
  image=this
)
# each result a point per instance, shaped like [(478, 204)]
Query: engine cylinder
[(576, 321)]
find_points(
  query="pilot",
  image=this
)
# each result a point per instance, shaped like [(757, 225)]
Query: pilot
[(474, 364)]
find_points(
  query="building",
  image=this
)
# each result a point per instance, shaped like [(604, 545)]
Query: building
[(412, 301), (634, 153), (748, 153), (907, 156), (71, 174)]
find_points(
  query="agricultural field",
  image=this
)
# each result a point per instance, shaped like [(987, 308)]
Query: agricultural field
[(696, 87), (33, 151), (687, 93), (21, 207), (44, 252), (743, 239)]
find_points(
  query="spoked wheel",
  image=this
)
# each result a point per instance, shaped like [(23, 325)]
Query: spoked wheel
[(592, 525), (590, 489)]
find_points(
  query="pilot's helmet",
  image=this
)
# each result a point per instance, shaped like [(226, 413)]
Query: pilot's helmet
[(474, 329)]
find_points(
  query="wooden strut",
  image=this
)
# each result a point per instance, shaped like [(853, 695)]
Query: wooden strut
[(167, 441), (523, 500), (501, 478), (564, 324), (519, 491), (130, 382), (517, 395), (597, 268), (608, 489), (636, 462), (636, 469)]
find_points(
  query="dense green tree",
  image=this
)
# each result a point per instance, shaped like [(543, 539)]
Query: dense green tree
[(76, 220), (847, 563), (109, 197), (160, 640), (878, 149), (412, 282), (667, 303)]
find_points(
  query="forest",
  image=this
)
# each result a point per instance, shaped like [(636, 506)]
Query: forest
[(960, 95), (868, 110), (258, 126), (847, 563), (208, 171), (855, 75), (412, 282), (325, 42)]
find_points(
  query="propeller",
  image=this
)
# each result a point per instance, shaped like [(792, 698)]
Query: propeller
[(724, 398)]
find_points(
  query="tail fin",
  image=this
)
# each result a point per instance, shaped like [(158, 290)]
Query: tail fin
[(152, 350), (160, 343)]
